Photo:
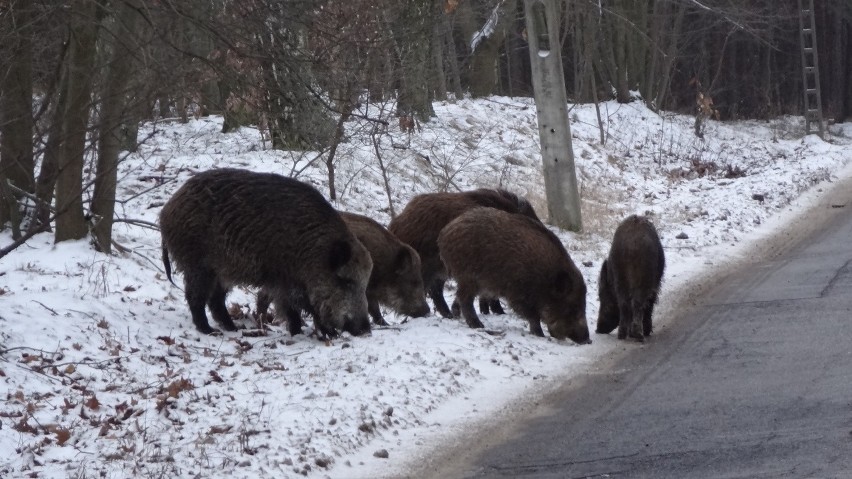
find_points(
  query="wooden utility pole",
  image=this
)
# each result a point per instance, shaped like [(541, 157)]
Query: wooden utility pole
[(560, 179)]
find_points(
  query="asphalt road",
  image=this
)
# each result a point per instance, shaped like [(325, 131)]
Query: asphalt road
[(756, 381)]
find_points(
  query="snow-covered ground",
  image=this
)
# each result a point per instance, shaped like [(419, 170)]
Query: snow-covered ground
[(104, 375)]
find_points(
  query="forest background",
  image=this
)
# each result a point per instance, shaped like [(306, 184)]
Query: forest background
[(78, 77)]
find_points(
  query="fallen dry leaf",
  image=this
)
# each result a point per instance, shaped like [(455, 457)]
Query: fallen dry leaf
[(62, 435), (93, 403)]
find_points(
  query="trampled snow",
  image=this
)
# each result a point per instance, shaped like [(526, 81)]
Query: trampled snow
[(104, 374)]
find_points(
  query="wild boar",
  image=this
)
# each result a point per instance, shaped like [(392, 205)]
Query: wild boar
[(229, 227), (507, 255), (395, 280), (426, 215), (630, 279)]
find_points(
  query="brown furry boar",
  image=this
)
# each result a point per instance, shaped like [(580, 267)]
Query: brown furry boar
[(512, 256), (630, 279), (426, 215), (230, 227), (395, 280)]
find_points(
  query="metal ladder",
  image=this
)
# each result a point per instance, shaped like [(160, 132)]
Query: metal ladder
[(810, 68)]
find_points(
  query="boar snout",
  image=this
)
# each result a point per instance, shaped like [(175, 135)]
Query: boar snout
[(357, 325), (422, 310)]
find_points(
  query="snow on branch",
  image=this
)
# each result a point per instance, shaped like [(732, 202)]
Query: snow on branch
[(488, 28)]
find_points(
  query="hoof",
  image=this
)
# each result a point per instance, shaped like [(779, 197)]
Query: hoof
[(476, 324)]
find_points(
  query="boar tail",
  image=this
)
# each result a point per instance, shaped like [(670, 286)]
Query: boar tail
[(167, 265)]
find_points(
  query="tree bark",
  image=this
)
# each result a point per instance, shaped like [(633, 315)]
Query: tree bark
[(486, 51), (49, 171), (621, 60), (452, 58), (838, 65), (16, 93), (414, 27), (70, 220), (440, 86), (113, 109), (672, 51)]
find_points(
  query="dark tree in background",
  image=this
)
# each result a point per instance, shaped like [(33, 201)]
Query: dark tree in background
[(16, 97), (412, 29), (77, 77), (120, 35), (835, 21), (84, 19)]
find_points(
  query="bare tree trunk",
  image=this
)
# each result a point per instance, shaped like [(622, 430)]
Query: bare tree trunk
[(71, 222), (139, 111), (49, 171), (415, 97), (648, 90), (665, 75), (486, 49), (438, 35), (621, 60), (375, 135), (452, 58), (335, 142), (638, 44), (16, 117), (112, 110), (838, 67), (574, 20)]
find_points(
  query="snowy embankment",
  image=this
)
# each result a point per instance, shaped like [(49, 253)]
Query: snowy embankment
[(105, 376)]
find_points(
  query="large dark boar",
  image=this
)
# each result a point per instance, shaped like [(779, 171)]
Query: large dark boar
[(395, 280), (511, 256), (630, 279), (426, 215), (227, 227)]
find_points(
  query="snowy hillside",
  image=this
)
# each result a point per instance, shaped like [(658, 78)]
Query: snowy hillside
[(104, 374)]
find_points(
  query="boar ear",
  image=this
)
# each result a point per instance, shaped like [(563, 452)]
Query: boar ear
[(339, 254)]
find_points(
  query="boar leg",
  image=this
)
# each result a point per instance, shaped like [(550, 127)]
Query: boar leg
[(496, 308), (216, 303), (465, 298), (484, 305), (637, 319), (197, 286), (376, 313), (625, 317), (294, 320), (436, 292), (262, 302), (647, 327), (456, 309), (535, 327)]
